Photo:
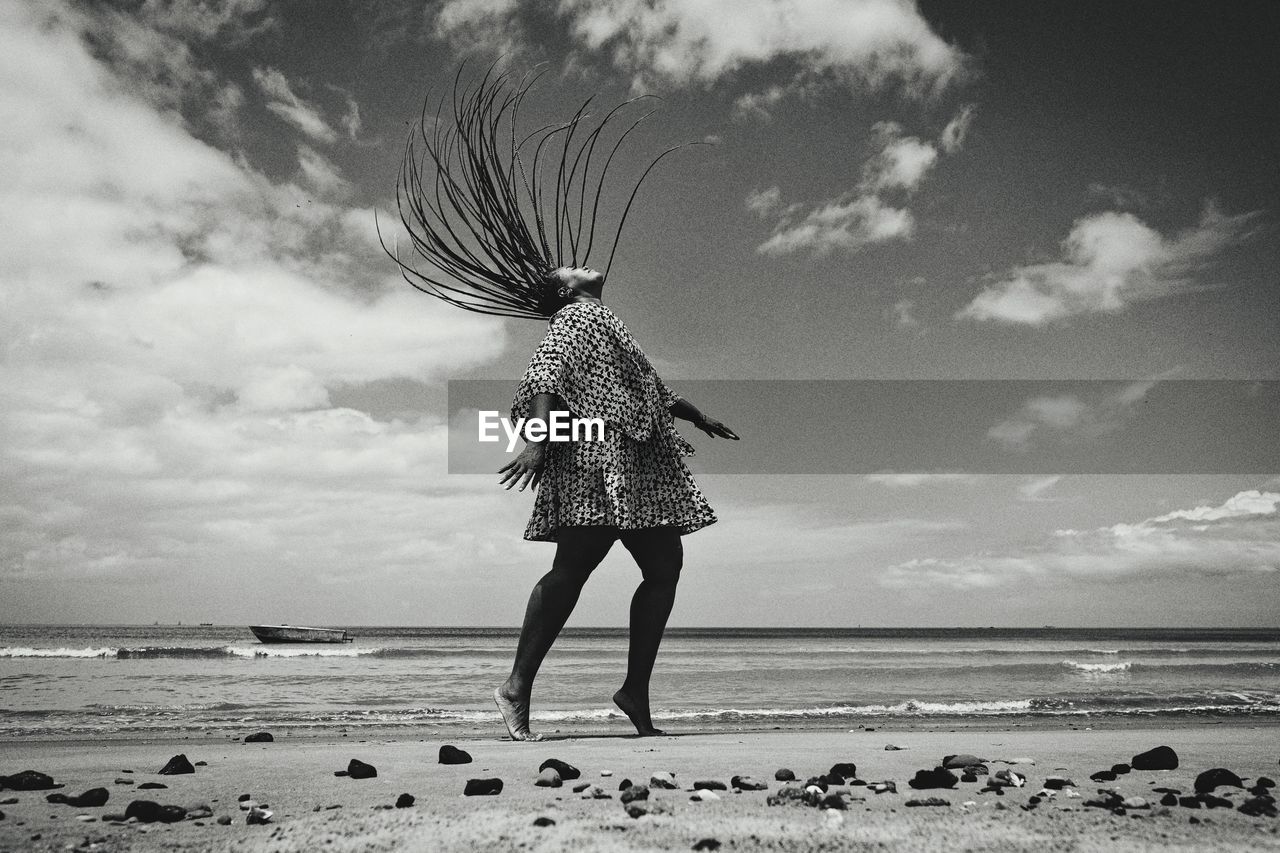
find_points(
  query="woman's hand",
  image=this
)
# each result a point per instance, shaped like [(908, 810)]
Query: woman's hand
[(714, 428), (525, 469)]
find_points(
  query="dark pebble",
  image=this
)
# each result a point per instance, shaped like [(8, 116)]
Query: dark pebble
[(224, 820), (1211, 780), (928, 801), (1160, 758), (787, 795), (711, 843), (202, 764), (29, 780), (1265, 782), (177, 766), (633, 793), (959, 762), (830, 779), (244, 798), (482, 787), (147, 811), (746, 783), (9, 801), (543, 821), (582, 786), (845, 769), (152, 786), (90, 799), (1169, 800), (1189, 802), (833, 801), (783, 775), (450, 754), (624, 784), (404, 801), (1120, 769), (1103, 776), (1259, 807), (710, 785), (567, 771), (966, 776), (357, 769), (259, 737), (939, 777)]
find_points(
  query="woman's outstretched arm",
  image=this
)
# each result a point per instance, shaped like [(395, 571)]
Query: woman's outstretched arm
[(685, 410), (526, 468)]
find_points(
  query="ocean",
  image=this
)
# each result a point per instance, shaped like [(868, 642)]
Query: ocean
[(163, 680)]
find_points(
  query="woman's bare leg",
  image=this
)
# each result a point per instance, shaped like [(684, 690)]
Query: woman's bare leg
[(578, 551), (660, 556)]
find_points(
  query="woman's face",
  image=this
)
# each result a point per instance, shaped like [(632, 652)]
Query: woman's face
[(583, 280)]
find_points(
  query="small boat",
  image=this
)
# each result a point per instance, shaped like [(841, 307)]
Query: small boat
[(299, 634)]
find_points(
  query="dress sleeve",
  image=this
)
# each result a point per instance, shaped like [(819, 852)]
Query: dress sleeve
[(665, 394)]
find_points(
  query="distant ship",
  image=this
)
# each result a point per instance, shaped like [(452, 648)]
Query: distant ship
[(299, 634)]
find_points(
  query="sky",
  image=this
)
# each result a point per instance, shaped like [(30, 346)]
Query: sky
[(219, 402)]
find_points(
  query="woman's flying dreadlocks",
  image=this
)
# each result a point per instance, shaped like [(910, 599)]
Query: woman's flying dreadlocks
[(491, 213)]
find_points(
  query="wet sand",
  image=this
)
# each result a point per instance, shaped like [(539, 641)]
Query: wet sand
[(294, 778)]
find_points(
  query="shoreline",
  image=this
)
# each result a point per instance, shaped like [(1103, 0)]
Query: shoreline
[(621, 729), (295, 777)]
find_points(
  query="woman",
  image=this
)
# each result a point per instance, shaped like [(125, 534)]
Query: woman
[(466, 204)]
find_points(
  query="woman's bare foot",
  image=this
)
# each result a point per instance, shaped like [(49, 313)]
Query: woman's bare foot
[(515, 713), (637, 713)]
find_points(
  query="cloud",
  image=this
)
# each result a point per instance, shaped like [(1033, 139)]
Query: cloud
[(953, 135), (764, 202), (676, 44), (758, 105), (320, 174), (1034, 488), (228, 20), (913, 479), (901, 165), (1241, 536), (1109, 261), (848, 224), (283, 102), (904, 316), (1066, 417), (176, 328), (875, 212)]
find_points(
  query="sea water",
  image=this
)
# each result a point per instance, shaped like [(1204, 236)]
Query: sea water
[(82, 681)]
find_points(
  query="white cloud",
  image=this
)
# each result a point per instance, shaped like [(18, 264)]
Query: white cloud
[(320, 174), (683, 43), (285, 103), (1109, 261), (901, 165), (953, 135), (849, 224), (1067, 417), (912, 479), (758, 105), (904, 316), (1239, 537), (1034, 488), (764, 202), (873, 213), (175, 326)]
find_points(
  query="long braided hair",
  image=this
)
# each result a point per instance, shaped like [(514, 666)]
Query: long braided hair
[(491, 211)]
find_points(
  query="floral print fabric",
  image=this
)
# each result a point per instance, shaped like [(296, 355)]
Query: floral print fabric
[(634, 478)]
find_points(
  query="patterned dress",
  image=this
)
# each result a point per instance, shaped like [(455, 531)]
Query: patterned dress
[(634, 478)]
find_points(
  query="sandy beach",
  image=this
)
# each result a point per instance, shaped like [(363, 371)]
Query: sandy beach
[(314, 809)]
